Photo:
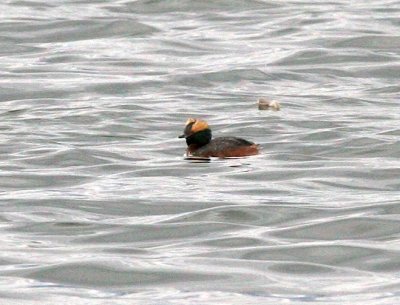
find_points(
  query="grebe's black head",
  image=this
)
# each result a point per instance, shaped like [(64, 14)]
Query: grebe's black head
[(196, 132)]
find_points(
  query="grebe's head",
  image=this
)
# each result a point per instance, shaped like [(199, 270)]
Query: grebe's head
[(193, 126)]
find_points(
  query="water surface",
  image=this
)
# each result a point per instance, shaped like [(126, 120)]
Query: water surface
[(98, 204)]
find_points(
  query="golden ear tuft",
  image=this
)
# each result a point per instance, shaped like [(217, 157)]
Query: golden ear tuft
[(190, 120), (199, 125)]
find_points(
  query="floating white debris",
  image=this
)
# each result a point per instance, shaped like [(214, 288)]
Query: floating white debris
[(265, 104)]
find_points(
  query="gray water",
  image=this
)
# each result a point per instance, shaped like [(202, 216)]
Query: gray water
[(97, 202)]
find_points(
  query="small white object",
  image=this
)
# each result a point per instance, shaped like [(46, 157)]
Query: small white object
[(265, 104)]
